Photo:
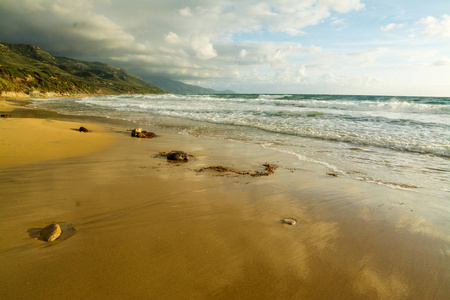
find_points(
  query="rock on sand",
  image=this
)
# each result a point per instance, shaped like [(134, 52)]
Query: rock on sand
[(139, 133), (50, 233), (83, 129), (177, 155), (289, 221)]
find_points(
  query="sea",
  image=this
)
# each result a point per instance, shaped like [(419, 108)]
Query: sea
[(399, 142)]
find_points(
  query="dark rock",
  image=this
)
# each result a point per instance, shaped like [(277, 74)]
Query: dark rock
[(135, 132), (6, 116), (177, 156), (50, 233), (139, 133), (83, 129)]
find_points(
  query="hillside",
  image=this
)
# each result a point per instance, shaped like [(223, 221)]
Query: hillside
[(29, 70), (178, 87)]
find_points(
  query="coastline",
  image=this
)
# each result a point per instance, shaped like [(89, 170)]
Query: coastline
[(146, 228)]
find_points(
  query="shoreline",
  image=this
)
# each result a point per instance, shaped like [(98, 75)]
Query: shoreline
[(146, 228)]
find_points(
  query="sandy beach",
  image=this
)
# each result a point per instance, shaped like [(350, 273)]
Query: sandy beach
[(138, 227)]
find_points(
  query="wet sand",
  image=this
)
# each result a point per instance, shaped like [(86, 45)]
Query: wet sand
[(138, 227)]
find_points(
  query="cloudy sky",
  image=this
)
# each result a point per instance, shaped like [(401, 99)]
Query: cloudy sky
[(382, 47)]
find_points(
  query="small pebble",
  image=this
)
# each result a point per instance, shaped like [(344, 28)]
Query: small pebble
[(289, 221)]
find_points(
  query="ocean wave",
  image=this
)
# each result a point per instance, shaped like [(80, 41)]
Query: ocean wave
[(178, 103), (288, 101), (357, 136), (272, 96), (391, 106), (311, 118), (302, 157)]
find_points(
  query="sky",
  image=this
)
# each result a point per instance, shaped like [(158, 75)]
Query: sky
[(369, 47)]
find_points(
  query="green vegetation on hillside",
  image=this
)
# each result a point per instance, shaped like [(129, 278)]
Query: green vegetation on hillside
[(30, 70)]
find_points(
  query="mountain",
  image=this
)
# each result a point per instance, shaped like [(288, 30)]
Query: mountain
[(178, 87), (29, 70)]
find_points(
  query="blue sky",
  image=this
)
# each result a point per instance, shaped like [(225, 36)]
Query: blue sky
[(395, 47)]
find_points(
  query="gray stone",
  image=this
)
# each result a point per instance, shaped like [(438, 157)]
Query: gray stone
[(50, 233)]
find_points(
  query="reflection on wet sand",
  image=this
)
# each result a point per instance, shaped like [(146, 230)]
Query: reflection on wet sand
[(149, 229)]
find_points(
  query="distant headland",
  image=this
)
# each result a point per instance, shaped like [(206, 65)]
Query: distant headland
[(26, 71)]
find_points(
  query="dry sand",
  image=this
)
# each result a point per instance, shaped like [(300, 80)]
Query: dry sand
[(138, 227), (25, 141)]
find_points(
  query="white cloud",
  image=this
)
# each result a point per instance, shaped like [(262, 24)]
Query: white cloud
[(445, 61), (436, 27), (203, 47), (185, 12), (301, 73), (420, 55), (392, 26), (338, 22), (288, 16), (328, 78), (369, 56), (342, 6), (276, 55), (172, 38)]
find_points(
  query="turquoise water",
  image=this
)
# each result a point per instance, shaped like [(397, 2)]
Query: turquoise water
[(401, 142)]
